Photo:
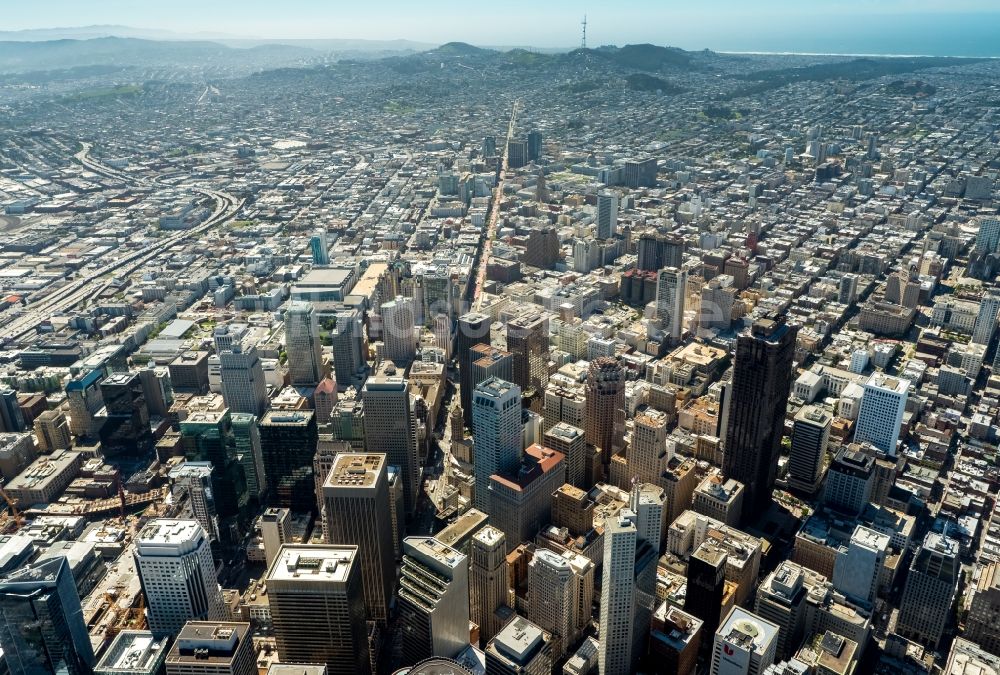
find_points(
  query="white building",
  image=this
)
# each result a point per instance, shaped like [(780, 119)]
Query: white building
[(551, 598), (497, 429), (242, 375), (986, 319), (618, 595), (881, 414), (302, 344), (607, 215), (858, 565), (671, 288), (745, 644)]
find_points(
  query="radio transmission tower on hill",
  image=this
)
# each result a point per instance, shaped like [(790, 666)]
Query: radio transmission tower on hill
[(583, 40)]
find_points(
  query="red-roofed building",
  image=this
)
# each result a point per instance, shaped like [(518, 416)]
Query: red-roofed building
[(520, 505)]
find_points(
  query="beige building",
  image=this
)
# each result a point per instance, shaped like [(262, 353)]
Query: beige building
[(212, 648)]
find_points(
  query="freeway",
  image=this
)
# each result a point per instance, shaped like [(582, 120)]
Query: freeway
[(226, 206), (491, 223)]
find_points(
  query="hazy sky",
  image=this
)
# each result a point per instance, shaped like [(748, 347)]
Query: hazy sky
[(773, 25)]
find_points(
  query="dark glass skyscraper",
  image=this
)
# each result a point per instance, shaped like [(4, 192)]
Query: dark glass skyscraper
[(762, 378), (473, 328)]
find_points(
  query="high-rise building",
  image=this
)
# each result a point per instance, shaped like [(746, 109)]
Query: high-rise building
[(42, 629), (487, 580), (745, 644), (521, 648), (657, 251), (390, 428), (706, 581), (124, 421), (858, 567), (302, 344), (52, 431), (157, 389), (528, 342), (849, 481), (762, 379), (605, 406), (212, 648), (473, 329), (11, 418), (929, 591), (881, 414), (718, 498), (175, 566), (607, 215), (572, 443), (552, 598), (319, 248), (848, 289), (986, 319), (358, 512), (810, 437), (246, 435), (781, 599), (288, 444), (433, 600), (520, 503), (718, 296), (988, 237), (318, 607), (195, 478), (350, 351), (640, 173), (398, 332), (534, 145), (243, 387), (496, 426), (648, 453), (981, 624), (134, 652), (618, 594), (275, 530), (675, 639), (488, 361), (84, 395), (671, 285), (324, 401)]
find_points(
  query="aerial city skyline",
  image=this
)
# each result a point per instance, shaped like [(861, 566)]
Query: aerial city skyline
[(345, 339)]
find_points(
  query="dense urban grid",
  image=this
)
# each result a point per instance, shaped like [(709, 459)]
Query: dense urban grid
[(472, 361)]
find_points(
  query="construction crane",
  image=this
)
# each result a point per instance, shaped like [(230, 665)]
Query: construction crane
[(15, 514)]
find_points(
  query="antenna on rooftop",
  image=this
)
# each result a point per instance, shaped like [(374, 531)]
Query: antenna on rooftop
[(583, 41)]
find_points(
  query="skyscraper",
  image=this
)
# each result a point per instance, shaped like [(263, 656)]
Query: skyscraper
[(762, 379), (42, 629), (929, 591), (657, 251), (986, 319), (881, 414), (473, 329), (433, 600), (552, 598), (617, 595), (318, 607), (858, 567), (195, 478), (302, 344), (570, 441), (810, 437), (175, 566), (521, 648), (275, 530), (745, 644), (357, 512), (11, 419), (398, 332), (497, 429), (350, 358), (84, 395), (212, 648), (488, 361), (528, 342), (246, 436), (288, 444), (124, 421), (390, 428), (607, 215), (319, 248), (706, 579), (243, 386), (605, 407), (671, 285), (487, 580), (988, 237), (52, 431)]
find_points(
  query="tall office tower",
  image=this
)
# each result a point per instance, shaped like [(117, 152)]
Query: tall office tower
[(473, 329), (433, 600), (849, 481), (528, 341), (84, 395), (490, 362), (319, 247), (489, 148), (981, 625), (125, 418), (175, 566), (781, 599), (570, 441), (195, 478), (605, 409), (134, 652), (517, 153), (810, 437), (552, 598), (657, 251), (443, 339), (618, 594), (275, 530), (858, 566), (390, 427), (350, 351), (398, 332), (520, 503), (302, 344), (487, 581), (646, 501), (929, 591), (534, 145), (542, 249), (986, 319), (52, 431), (243, 387), (848, 289), (521, 648), (497, 429), (288, 444), (648, 454), (324, 401), (988, 237), (157, 390), (640, 173), (675, 639), (208, 437), (762, 379), (246, 435), (745, 644), (706, 584), (718, 297), (318, 607), (42, 629), (11, 419), (671, 285), (881, 414), (358, 512), (607, 215), (212, 648)]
